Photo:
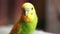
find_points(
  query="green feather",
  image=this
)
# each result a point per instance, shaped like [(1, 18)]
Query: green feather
[(28, 27)]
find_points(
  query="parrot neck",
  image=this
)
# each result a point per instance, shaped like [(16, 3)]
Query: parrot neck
[(28, 28)]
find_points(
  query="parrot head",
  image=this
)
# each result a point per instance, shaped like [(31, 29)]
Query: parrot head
[(28, 12)]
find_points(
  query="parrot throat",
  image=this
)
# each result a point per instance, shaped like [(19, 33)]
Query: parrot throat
[(26, 19)]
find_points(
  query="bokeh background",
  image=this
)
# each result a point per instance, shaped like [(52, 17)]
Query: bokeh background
[(48, 12)]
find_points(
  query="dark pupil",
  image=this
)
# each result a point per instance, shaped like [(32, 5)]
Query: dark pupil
[(31, 8)]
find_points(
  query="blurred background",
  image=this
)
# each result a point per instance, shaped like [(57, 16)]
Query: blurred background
[(48, 12)]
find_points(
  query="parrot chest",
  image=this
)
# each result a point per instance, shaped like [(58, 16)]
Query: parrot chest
[(28, 28)]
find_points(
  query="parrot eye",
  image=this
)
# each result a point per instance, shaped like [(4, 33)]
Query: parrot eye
[(31, 8)]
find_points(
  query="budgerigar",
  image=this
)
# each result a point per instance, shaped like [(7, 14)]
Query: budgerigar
[(29, 19), (28, 22)]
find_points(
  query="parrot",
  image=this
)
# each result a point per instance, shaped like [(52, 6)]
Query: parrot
[(28, 21)]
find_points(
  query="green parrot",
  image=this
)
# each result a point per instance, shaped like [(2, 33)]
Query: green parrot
[(28, 20)]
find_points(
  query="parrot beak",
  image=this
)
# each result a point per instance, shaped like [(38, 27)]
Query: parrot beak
[(25, 16)]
